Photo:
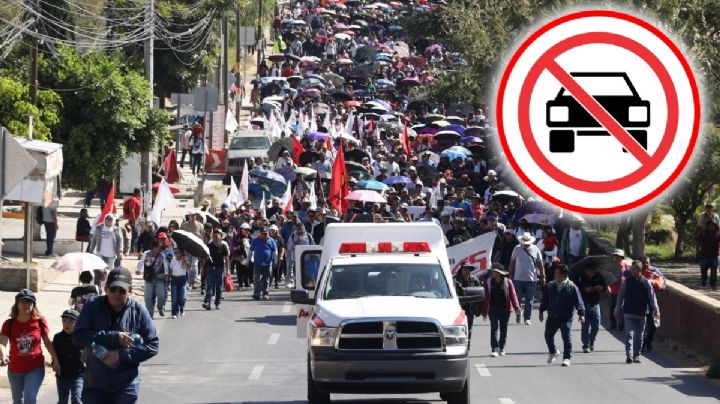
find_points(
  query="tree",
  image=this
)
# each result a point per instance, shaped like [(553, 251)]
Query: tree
[(16, 109), (104, 118)]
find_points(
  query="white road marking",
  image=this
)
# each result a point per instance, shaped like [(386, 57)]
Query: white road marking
[(256, 372), (274, 337), (482, 370), (505, 400), (286, 307)]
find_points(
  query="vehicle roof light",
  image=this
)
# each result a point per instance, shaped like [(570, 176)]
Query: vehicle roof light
[(416, 246), (385, 247), (353, 248)]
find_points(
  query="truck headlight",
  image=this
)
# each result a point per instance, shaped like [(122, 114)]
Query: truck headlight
[(323, 336), (638, 114), (559, 114), (455, 334)]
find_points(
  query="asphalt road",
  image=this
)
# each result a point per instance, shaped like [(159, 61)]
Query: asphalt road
[(247, 352)]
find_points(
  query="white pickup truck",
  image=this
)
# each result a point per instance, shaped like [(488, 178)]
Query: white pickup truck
[(379, 309)]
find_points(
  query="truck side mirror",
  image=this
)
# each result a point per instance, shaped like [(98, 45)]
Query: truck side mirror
[(301, 296), (472, 294)]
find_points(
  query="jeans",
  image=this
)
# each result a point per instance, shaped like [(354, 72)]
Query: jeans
[(498, 321), (634, 329), (24, 387), (262, 279), (124, 395), (710, 263), (182, 157), (195, 162), (69, 387), (177, 286), (552, 325), (155, 290), (590, 327), (526, 290), (290, 263), (193, 272), (214, 280), (50, 233), (133, 238)]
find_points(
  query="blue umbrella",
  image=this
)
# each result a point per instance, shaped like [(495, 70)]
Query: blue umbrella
[(315, 136), (455, 128), (470, 139), (400, 180), (259, 191), (372, 185), (453, 155), (383, 103), (272, 180), (385, 82), (459, 149)]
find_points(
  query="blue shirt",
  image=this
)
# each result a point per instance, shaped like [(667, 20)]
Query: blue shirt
[(263, 250), (464, 205)]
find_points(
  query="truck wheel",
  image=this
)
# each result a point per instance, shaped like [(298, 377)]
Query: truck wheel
[(458, 397), (640, 136), (313, 395), (562, 141)]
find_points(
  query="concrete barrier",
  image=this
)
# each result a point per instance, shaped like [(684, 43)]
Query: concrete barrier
[(61, 247)]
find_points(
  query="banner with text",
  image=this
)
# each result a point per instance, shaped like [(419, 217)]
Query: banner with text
[(476, 251)]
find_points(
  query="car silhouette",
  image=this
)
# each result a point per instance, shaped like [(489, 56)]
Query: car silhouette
[(614, 92)]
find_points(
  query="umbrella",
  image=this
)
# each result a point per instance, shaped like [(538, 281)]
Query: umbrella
[(603, 264), (308, 157), (269, 178), (475, 131), (259, 191), (539, 218), (324, 175), (360, 175), (400, 180), (341, 95), (440, 123), (365, 196), (79, 261), (371, 185), (352, 103), (278, 57), (343, 36), (274, 151), (470, 139), (305, 171), (315, 136), (428, 130), (349, 138), (429, 119), (434, 48), (459, 149), (208, 218), (366, 53), (382, 103), (353, 166), (453, 155), (334, 78), (410, 81), (190, 244), (356, 155), (174, 189), (287, 172), (447, 135), (341, 62), (312, 92), (455, 128), (505, 196), (455, 120)]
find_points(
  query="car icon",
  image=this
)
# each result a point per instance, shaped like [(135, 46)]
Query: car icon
[(614, 92)]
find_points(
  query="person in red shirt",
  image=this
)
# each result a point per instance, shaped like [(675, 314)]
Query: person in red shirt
[(131, 212), (24, 330)]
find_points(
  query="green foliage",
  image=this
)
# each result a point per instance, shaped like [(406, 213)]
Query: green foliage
[(104, 117), (16, 108)]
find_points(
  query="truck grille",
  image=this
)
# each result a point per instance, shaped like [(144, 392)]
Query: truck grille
[(390, 335)]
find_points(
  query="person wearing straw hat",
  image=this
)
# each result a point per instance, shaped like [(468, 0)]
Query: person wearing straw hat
[(526, 270), (500, 301)]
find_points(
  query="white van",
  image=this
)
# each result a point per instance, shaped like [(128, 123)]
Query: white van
[(378, 306)]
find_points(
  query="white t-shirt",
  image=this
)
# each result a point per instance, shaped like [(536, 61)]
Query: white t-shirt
[(574, 241), (525, 260), (107, 241), (176, 268)]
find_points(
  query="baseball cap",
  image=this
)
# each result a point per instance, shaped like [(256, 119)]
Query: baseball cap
[(119, 277), (264, 229), (25, 294), (70, 313), (245, 226), (273, 227)]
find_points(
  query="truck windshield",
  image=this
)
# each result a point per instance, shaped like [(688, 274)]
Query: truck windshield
[(418, 280), (239, 142)]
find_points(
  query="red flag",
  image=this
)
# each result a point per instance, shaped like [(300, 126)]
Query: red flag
[(371, 127), (287, 201), (171, 172), (405, 141), (297, 150), (339, 183), (329, 146), (109, 205)]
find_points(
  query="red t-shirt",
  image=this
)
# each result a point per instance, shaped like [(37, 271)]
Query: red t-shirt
[(25, 350)]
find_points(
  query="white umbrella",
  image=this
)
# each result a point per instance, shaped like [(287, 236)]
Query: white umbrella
[(79, 261)]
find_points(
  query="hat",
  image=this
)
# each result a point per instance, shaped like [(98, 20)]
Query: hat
[(499, 268), (26, 294), (119, 277), (412, 168), (492, 173), (467, 265), (70, 313), (403, 206), (207, 226), (109, 216), (526, 239), (263, 229), (245, 226), (273, 227), (619, 252)]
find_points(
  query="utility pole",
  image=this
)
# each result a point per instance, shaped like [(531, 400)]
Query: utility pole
[(238, 82), (145, 159), (260, 35), (224, 74), (27, 206)]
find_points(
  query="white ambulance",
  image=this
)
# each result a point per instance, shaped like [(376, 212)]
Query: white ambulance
[(379, 309)]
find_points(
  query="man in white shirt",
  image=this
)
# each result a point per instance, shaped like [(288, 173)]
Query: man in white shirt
[(526, 269)]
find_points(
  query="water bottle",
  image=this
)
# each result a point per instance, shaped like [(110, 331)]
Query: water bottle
[(137, 340), (99, 351)]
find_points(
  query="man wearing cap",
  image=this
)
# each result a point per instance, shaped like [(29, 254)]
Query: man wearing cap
[(526, 270), (215, 269), (263, 250), (618, 257), (70, 381), (500, 301), (280, 256), (110, 321)]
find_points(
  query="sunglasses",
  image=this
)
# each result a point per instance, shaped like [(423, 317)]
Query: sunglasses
[(117, 289)]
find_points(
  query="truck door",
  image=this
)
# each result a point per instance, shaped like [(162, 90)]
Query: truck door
[(307, 270)]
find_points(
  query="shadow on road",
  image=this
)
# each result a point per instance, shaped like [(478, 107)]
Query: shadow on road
[(687, 383), (271, 320), (365, 401)]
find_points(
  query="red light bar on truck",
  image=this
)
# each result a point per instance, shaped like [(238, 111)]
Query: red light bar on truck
[(385, 247)]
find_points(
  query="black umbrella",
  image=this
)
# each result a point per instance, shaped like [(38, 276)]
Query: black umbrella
[(353, 166), (190, 244), (341, 95), (309, 157), (286, 143), (603, 264), (324, 176), (360, 175), (505, 196), (208, 218), (356, 155)]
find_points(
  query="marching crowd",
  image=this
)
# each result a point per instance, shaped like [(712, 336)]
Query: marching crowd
[(352, 144)]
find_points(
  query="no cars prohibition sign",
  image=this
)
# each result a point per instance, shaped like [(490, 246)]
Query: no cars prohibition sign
[(598, 112)]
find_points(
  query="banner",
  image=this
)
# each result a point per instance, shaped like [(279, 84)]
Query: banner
[(476, 251)]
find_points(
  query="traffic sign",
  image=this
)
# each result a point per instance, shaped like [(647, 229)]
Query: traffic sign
[(216, 161), (590, 118)]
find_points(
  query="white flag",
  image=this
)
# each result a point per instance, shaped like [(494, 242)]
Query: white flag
[(434, 197), (244, 184), (326, 122), (230, 123), (286, 201), (263, 205), (163, 199), (349, 124), (311, 194), (234, 199), (313, 122)]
